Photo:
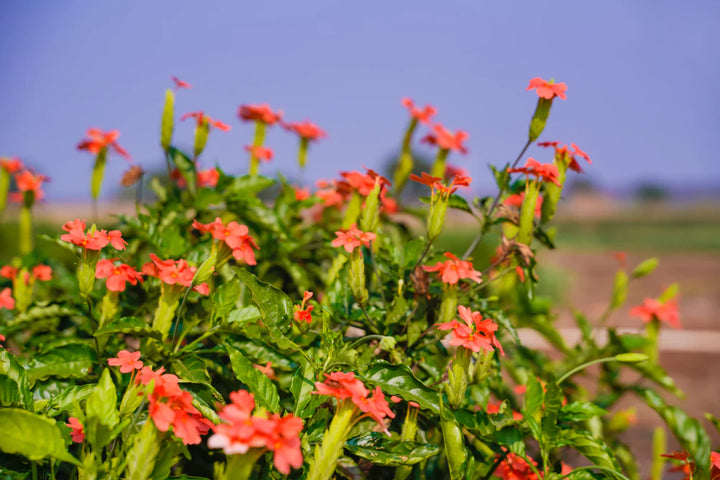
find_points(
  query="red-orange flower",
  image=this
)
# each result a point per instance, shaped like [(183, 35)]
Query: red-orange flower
[(301, 193), (208, 178), (241, 430), (78, 431), (352, 238), (447, 140), (172, 272), (11, 165), (543, 171), (301, 313), (515, 467), (127, 361), (98, 140), (664, 312), (516, 200), (201, 117), (179, 83), (365, 182), (422, 115), (547, 90), (687, 467), (259, 113), (235, 236), (266, 370), (42, 272), (117, 275), (453, 270), (475, 334), (92, 241), (493, 408), (436, 182), (28, 181), (568, 154), (263, 153), (306, 130), (6, 299)]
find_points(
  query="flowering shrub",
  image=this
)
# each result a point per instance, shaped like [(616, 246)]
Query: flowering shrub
[(316, 335)]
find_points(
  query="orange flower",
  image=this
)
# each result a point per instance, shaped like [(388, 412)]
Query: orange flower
[(306, 130), (363, 183), (493, 408), (687, 467), (11, 165), (543, 171), (117, 275), (436, 184), (126, 361), (259, 113), (201, 118), (664, 312), (28, 181), (422, 115), (447, 140), (179, 83), (241, 430), (78, 433), (453, 270), (475, 334), (235, 236), (208, 178), (266, 370), (172, 272), (98, 140), (263, 153), (42, 272), (302, 313), (516, 200), (352, 238), (301, 193), (92, 241), (515, 468), (6, 299), (451, 171), (568, 154), (547, 90)]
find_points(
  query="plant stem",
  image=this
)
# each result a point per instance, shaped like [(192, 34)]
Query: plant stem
[(583, 366)]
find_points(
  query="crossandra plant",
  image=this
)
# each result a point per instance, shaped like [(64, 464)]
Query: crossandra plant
[(221, 333)]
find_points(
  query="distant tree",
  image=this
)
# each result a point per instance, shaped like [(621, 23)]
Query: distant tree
[(651, 192), (581, 185)]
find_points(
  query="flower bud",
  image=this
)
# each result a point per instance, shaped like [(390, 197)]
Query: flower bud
[(166, 127), (356, 275)]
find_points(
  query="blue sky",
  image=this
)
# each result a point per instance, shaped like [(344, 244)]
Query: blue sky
[(642, 81)]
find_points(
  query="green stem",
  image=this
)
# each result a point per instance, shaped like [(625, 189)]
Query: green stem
[(438, 169), (327, 454), (240, 467), (26, 235), (257, 142), (584, 366)]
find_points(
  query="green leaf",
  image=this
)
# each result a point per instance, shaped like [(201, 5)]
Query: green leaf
[(591, 448), (301, 387), (459, 203), (658, 375), (259, 384), (32, 436), (71, 361), (134, 326), (553, 402), (250, 185), (145, 448), (399, 380), (688, 431), (15, 380), (67, 399), (512, 438), (225, 297), (186, 167), (533, 395), (390, 452), (645, 268), (669, 293), (239, 317), (580, 411), (275, 307), (191, 368), (101, 411)]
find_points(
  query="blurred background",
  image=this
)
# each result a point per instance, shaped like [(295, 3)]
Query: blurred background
[(642, 101)]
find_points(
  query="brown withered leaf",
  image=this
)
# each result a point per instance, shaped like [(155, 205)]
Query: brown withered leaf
[(132, 175)]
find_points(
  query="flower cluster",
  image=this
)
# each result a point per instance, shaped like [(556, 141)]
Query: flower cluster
[(345, 386), (234, 235), (544, 171), (302, 313), (94, 239), (117, 275), (242, 430), (475, 334), (453, 270), (41, 273), (514, 467), (662, 311), (352, 238), (173, 272), (337, 192)]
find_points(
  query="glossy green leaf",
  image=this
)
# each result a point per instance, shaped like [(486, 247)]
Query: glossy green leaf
[(390, 452), (459, 203), (399, 380), (145, 448), (580, 411), (301, 387), (533, 395), (69, 397), (688, 431), (135, 326), (101, 411), (645, 268), (275, 307), (15, 380), (32, 436), (225, 297), (250, 185), (71, 361), (591, 448), (512, 438), (265, 392), (191, 368)]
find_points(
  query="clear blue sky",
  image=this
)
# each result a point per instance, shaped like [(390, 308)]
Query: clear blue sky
[(642, 80)]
